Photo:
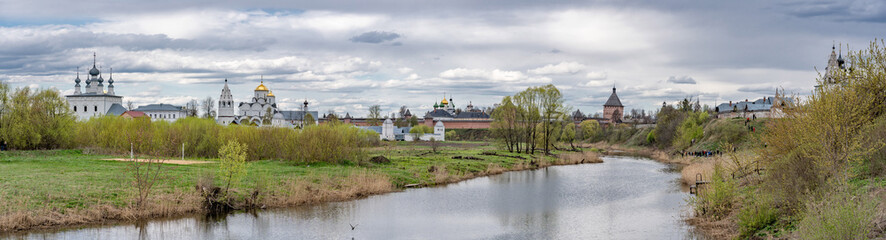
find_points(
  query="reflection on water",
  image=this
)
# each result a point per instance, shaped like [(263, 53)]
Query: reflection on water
[(622, 198)]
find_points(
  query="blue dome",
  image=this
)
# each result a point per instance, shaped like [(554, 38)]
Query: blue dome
[(94, 71)]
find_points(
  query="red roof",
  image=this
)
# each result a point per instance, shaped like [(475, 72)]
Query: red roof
[(134, 114)]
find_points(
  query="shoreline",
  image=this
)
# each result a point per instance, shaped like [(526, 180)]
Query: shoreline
[(183, 204)]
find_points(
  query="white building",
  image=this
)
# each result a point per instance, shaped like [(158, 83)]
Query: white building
[(387, 131), (95, 100), (261, 111), (163, 112)]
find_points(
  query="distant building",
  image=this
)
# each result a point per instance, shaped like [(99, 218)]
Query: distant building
[(387, 131), (444, 111), (95, 100), (469, 118), (612, 109), (836, 65), (162, 111), (766, 107), (255, 112)]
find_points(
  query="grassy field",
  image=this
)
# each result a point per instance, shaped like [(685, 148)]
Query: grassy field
[(45, 189)]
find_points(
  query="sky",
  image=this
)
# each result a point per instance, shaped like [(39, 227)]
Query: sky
[(345, 56)]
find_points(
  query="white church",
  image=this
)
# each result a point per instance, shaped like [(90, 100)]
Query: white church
[(95, 100), (260, 111)]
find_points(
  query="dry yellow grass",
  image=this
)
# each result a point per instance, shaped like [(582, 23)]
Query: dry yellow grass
[(164, 205), (304, 191), (578, 158)]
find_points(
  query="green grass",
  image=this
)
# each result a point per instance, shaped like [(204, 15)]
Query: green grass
[(62, 180)]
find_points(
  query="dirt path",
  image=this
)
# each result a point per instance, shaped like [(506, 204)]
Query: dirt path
[(167, 161)]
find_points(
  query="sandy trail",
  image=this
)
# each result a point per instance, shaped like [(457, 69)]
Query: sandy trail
[(167, 161)]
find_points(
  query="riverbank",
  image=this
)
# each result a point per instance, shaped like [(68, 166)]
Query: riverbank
[(67, 188)]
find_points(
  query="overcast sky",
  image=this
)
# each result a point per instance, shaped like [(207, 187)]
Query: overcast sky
[(348, 55)]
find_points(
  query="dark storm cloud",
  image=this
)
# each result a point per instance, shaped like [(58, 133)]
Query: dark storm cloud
[(54, 43), (855, 10), (681, 80), (375, 37)]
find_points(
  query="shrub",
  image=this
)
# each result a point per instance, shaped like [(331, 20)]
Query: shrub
[(757, 213), (838, 216), (589, 129), (717, 197), (232, 163)]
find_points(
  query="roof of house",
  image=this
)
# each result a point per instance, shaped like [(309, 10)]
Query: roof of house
[(116, 109), (439, 113), (158, 107), (472, 115), (613, 100), (135, 114), (297, 115)]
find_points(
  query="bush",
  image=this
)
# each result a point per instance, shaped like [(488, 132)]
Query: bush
[(232, 163), (756, 214), (838, 216), (717, 197)]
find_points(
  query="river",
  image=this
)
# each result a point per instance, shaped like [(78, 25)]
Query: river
[(622, 198)]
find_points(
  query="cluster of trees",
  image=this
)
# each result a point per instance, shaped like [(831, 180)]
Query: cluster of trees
[(679, 127), (34, 118), (531, 119)]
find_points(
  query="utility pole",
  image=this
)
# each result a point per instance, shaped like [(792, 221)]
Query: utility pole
[(183, 151), (131, 155)]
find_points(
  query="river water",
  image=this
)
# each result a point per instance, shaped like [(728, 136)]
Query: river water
[(622, 198)]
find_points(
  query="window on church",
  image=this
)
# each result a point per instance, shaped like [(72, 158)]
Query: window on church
[(85, 109), (75, 108), (96, 108)]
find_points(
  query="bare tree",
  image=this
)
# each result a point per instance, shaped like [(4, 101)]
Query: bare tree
[(374, 115), (129, 105), (208, 107), (191, 108)]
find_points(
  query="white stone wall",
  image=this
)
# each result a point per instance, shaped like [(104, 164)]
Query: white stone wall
[(85, 107)]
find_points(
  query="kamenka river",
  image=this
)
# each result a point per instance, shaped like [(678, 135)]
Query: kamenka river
[(622, 198)]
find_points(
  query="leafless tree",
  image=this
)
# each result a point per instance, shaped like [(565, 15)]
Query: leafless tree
[(208, 107)]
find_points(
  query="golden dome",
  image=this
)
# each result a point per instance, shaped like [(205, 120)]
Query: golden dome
[(270, 94), (444, 101), (261, 87)]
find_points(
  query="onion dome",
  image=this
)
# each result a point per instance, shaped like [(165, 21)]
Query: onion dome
[(77, 81), (270, 94), (306, 102), (111, 78), (444, 102), (261, 87), (436, 106), (94, 71)]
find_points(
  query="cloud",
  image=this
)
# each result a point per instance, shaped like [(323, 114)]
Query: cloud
[(598, 83), (375, 37), (851, 10), (560, 68), (596, 76), (681, 80)]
